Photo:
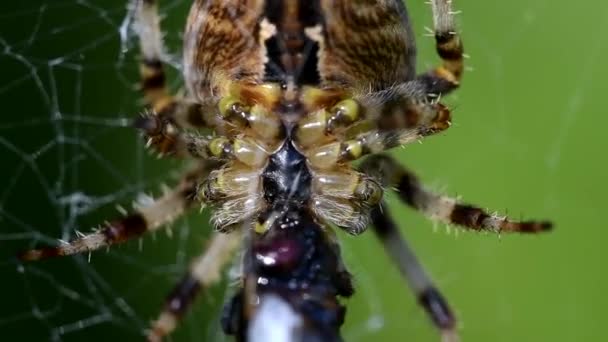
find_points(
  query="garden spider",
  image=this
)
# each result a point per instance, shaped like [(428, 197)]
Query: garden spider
[(294, 91)]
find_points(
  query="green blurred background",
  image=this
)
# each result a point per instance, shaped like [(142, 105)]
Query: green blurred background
[(525, 140)]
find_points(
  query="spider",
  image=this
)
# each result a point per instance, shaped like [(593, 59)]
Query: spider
[(282, 96)]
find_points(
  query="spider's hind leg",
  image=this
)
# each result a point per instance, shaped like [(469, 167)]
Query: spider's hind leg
[(204, 272), (145, 219), (410, 268)]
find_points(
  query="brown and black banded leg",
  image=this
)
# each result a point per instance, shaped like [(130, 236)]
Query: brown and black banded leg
[(444, 78), (204, 272), (145, 219), (168, 139), (153, 78), (442, 208), (412, 271), (447, 76), (168, 115)]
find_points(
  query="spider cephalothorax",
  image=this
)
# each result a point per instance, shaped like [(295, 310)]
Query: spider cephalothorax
[(283, 95)]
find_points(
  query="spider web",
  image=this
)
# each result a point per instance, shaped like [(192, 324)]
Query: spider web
[(69, 155)]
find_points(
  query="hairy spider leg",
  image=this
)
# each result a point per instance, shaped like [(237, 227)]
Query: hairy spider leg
[(401, 124), (204, 271), (162, 125), (145, 219), (446, 77), (152, 71), (439, 207), (429, 297)]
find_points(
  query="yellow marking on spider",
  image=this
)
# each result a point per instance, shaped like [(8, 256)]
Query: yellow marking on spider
[(347, 109), (446, 74), (216, 146), (352, 149), (225, 105)]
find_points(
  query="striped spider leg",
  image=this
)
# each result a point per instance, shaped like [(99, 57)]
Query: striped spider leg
[(204, 271), (162, 211), (439, 207), (413, 272), (445, 77), (168, 115), (164, 124)]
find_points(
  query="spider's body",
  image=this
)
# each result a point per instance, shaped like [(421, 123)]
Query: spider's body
[(294, 91)]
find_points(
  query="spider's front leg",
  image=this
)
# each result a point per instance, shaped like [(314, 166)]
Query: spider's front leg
[(445, 77), (372, 126)]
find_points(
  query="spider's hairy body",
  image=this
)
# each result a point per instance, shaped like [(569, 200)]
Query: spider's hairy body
[(294, 91)]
